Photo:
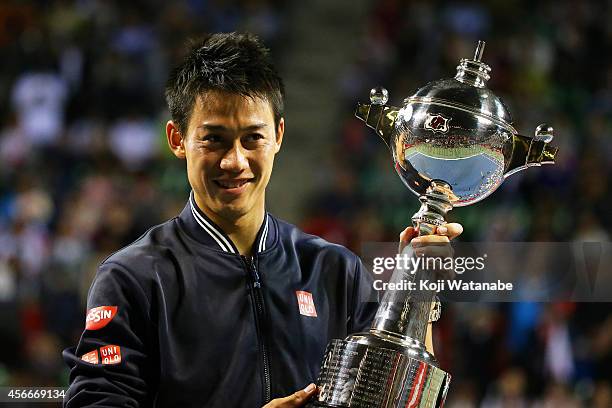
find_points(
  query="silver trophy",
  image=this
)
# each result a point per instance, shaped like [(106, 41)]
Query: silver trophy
[(453, 143)]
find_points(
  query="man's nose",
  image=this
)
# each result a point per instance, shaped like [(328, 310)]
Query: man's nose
[(234, 159)]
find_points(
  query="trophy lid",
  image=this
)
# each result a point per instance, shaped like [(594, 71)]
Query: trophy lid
[(467, 91)]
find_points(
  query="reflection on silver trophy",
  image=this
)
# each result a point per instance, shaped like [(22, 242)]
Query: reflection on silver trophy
[(453, 143)]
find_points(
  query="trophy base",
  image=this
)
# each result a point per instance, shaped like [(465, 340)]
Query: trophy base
[(369, 371)]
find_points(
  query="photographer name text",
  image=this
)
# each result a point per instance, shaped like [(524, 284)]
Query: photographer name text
[(442, 285)]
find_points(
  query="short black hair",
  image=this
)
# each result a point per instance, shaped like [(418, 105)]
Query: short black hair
[(230, 62)]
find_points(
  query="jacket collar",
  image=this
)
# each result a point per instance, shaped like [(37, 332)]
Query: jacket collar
[(210, 234)]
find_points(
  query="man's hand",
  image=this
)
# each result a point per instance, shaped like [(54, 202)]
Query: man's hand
[(436, 245), (443, 234), (297, 399), (421, 245)]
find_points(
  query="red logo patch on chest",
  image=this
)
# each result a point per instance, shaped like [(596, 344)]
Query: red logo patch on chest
[(306, 303), (110, 354)]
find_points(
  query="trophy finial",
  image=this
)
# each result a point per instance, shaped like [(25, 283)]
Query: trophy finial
[(479, 50), (544, 133), (473, 71), (379, 95)]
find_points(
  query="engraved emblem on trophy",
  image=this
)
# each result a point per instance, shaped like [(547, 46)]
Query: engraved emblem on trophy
[(453, 143)]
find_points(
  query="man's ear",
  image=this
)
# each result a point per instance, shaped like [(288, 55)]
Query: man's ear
[(280, 131), (176, 141)]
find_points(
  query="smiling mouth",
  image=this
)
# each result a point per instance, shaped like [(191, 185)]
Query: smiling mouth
[(232, 184)]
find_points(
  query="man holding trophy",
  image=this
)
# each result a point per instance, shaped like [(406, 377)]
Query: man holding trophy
[(225, 305)]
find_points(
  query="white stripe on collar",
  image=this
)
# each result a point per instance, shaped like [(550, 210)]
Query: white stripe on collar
[(212, 231), (264, 235)]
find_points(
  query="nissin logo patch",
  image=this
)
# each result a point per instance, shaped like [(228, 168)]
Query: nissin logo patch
[(98, 317), (306, 303)]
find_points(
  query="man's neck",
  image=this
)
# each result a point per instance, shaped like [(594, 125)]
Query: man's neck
[(242, 230)]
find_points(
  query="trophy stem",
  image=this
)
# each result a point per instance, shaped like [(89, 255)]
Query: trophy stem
[(402, 313), (389, 366), (435, 204)]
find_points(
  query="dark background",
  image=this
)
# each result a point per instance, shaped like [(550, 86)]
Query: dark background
[(84, 169)]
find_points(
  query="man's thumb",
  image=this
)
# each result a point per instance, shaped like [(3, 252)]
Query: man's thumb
[(300, 397), (309, 390), (297, 399)]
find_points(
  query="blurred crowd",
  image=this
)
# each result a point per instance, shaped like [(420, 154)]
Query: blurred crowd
[(84, 169)]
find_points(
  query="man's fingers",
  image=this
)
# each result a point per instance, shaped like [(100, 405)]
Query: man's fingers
[(429, 240), (434, 251), (451, 230), (443, 234), (297, 399), (407, 234)]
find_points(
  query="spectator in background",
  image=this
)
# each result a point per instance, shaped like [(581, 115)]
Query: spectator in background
[(39, 99), (134, 140)]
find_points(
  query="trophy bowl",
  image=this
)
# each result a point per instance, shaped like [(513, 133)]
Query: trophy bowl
[(434, 140), (456, 131)]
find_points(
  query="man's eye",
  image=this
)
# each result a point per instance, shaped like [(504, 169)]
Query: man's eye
[(254, 136), (211, 138)]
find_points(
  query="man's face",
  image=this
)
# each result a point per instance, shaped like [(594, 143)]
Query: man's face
[(230, 146)]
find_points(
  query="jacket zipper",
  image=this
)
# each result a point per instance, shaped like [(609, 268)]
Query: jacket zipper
[(259, 318)]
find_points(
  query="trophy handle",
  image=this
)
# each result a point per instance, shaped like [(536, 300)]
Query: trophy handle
[(377, 115), (381, 118), (521, 152)]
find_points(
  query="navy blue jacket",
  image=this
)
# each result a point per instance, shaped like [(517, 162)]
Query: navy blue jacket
[(180, 319)]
